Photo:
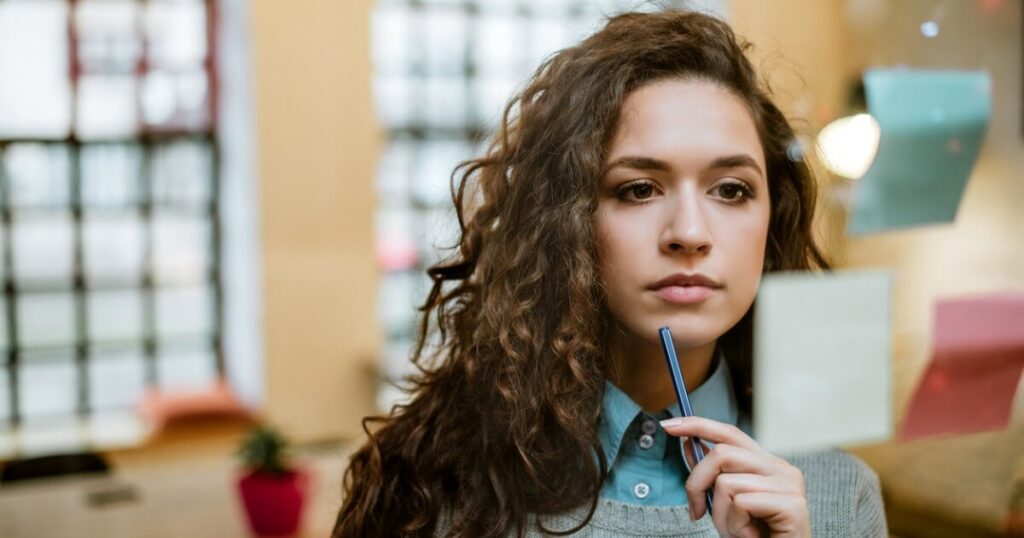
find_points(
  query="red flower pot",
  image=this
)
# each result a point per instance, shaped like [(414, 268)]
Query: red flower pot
[(273, 502)]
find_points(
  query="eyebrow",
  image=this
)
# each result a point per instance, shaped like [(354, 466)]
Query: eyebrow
[(647, 163)]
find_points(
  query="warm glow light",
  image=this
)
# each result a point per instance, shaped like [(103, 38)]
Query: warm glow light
[(849, 144)]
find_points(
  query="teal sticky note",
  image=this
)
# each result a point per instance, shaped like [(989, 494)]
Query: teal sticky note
[(932, 124)]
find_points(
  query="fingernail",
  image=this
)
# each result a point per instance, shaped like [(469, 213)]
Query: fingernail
[(671, 422)]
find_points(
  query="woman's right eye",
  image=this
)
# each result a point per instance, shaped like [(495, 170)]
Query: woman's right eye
[(635, 192)]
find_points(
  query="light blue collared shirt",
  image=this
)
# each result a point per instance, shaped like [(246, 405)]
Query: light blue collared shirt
[(644, 467)]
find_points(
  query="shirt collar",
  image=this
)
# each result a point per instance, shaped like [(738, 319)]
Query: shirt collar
[(713, 399)]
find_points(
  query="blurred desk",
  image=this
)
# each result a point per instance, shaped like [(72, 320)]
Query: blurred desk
[(193, 496)]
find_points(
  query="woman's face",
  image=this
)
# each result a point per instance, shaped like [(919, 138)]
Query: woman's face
[(683, 211)]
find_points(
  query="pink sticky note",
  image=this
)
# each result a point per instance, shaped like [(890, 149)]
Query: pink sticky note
[(977, 359)]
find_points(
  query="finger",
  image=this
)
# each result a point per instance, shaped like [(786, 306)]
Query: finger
[(720, 514), (782, 512), (711, 430), (725, 458), (729, 519), (688, 455), (732, 484)]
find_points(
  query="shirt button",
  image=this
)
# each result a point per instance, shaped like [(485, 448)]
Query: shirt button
[(649, 426), (641, 490), (646, 441)]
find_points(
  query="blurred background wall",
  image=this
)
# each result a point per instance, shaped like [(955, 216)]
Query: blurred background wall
[(317, 152)]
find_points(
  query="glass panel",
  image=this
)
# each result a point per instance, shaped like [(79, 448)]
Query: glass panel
[(113, 248), (177, 33), (431, 185), (181, 249), (439, 232), (107, 37), (491, 95), (391, 30), (5, 397), (186, 368), (396, 311), (110, 175), (51, 435), (394, 100), (4, 341), (117, 379), (39, 175), (181, 174), (43, 247), (114, 315), (47, 389), (46, 319), (445, 102), (184, 312), (33, 52), (107, 106), (546, 37), (393, 171), (175, 100), (499, 46), (445, 40)]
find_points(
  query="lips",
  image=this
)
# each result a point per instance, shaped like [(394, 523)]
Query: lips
[(682, 288), (683, 279)]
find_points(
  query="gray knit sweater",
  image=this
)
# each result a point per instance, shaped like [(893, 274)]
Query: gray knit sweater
[(842, 493)]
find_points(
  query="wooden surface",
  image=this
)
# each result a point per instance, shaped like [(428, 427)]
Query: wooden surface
[(180, 488)]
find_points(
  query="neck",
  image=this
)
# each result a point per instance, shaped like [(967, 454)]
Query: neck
[(639, 369)]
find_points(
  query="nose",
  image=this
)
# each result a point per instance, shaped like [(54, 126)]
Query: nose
[(686, 228)]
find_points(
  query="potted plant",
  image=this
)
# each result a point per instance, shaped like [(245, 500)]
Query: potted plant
[(271, 489)]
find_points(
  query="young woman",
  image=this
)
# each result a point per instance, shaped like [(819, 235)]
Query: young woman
[(640, 180)]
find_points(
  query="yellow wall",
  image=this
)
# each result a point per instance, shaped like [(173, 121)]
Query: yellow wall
[(317, 142)]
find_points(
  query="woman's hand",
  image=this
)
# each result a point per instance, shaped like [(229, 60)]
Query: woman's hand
[(753, 490)]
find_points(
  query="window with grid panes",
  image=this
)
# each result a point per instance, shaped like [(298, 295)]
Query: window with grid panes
[(443, 72), (109, 222)]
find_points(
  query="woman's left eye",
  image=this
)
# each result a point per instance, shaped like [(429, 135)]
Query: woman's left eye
[(734, 192)]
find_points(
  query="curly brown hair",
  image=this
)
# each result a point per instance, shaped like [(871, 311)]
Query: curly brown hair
[(502, 423)]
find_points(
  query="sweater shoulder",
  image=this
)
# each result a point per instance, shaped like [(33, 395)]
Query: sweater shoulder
[(843, 493)]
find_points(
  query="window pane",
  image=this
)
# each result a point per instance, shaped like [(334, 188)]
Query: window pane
[(181, 248), (113, 248), (39, 175), (391, 29), (107, 106), (36, 92), (182, 174), (175, 100), (432, 185), (445, 40), (47, 388), (5, 397), (114, 315), (110, 175), (116, 379), (394, 169), (445, 102), (46, 319), (43, 247), (184, 312), (394, 100), (4, 341), (186, 368), (177, 33), (107, 36)]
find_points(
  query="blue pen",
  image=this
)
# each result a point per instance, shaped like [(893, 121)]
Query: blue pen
[(684, 401)]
